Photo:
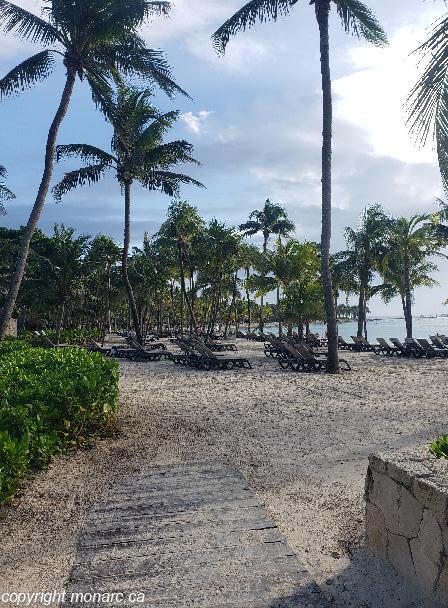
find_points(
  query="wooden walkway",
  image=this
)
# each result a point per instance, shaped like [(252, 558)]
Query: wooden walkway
[(192, 535)]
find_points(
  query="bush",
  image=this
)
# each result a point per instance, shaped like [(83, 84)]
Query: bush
[(439, 447), (50, 401), (77, 337)]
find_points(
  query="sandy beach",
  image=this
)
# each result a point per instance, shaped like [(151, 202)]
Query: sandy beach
[(301, 440)]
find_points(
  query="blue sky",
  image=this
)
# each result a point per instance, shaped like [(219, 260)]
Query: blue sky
[(255, 124)]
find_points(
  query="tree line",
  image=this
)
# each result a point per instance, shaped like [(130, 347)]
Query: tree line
[(197, 276)]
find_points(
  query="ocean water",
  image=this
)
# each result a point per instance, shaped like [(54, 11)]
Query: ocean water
[(386, 328)]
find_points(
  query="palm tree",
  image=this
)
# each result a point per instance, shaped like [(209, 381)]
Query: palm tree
[(366, 246), (97, 41), (64, 254), (357, 19), (182, 226), (272, 219), (5, 193), (405, 266), (138, 155)]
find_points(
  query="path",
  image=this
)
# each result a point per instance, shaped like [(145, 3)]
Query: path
[(192, 535)]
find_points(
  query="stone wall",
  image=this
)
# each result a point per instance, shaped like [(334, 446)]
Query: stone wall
[(407, 516)]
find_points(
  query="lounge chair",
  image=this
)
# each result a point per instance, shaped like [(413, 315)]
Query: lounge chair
[(385, 348), (206, 358), (407, 350), (431, 351), (272, 347), (96, 348), (138, 353), (220, 346), (438, 342), (301, 359), (343, 345), (150, 346)]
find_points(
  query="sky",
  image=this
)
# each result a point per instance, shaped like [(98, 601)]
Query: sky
[(255, 123)]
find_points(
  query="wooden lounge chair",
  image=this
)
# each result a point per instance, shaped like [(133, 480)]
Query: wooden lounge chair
[(343, 345), (406, 350), (220, 346), (208, 360), (385, 348), (438, 342), (96, 348), (301, 359), (138, 353), (366, 345), (150, 346), (431, 351)]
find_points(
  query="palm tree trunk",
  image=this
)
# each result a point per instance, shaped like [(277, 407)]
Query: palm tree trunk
[(322, 15), (249, 308), (280, 326), (193, 324), (360, 312), (265, 250), (19, 271), (124, 262), (408, 296)]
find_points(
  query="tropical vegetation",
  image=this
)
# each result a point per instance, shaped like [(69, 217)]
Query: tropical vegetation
[(51, 401)]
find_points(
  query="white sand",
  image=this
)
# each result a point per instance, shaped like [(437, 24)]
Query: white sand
[(302, 440)]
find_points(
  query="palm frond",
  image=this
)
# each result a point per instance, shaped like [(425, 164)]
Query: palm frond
[(359, 20), (100, 87), (5, 193), (250, 228), (427, 100), (168, 182), (147, 65), (88, 154), (26, 74), (255, 11), (3, 172), (172, 153), (155, 131), (86, 175), (26, 25)]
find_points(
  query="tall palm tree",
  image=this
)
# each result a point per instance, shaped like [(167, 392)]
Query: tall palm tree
[(357, 19), (5, 193), (272, 219), (97, 41), (138, 155)]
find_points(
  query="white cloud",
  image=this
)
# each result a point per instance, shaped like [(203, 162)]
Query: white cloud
[(374, 95), (195, 123)]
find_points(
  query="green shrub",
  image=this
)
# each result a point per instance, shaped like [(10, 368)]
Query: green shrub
[(439, 447), (50, 400)]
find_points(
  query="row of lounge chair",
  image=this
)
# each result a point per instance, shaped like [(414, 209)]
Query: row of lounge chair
[(298, 356), (196, 353), (412, 347)]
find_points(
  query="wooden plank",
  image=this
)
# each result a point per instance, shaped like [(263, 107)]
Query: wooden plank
[(188, 536)]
